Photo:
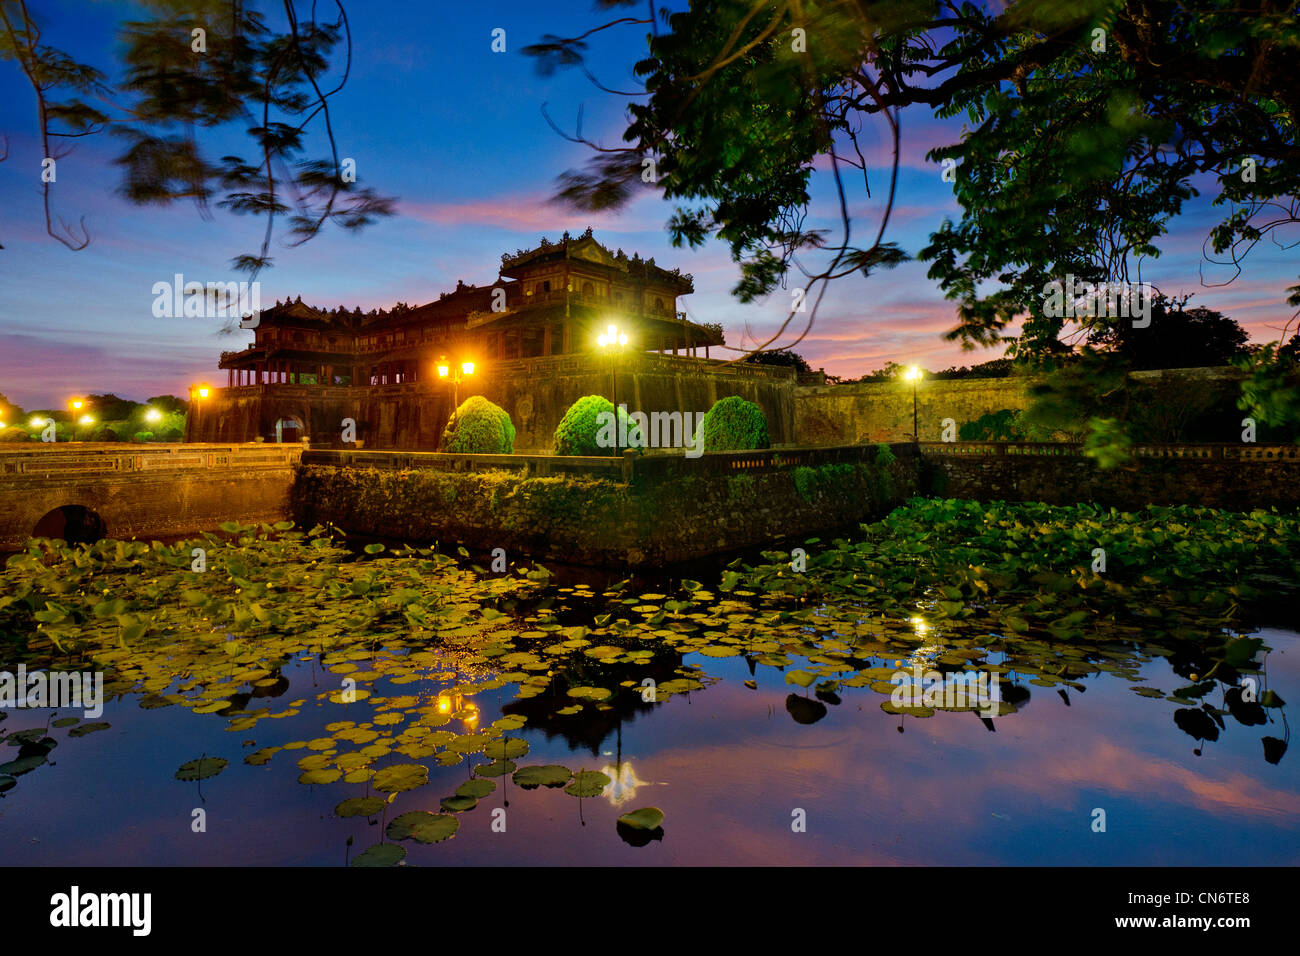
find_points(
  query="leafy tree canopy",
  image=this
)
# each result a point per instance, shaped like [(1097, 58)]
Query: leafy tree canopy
[(195, 73), (1089, 124), (1176, 338)]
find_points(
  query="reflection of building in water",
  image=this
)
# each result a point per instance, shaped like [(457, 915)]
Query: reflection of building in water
[(625, 782), (590, 727)]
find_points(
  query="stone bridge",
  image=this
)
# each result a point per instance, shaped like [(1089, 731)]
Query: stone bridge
[(85, 490)]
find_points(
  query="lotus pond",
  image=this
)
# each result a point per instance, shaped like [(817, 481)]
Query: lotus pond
[(301, 701)]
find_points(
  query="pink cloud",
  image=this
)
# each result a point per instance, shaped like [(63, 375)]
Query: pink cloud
[(535, 212)]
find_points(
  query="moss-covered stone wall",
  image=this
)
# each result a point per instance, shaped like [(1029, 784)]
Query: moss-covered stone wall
[(597, 520)]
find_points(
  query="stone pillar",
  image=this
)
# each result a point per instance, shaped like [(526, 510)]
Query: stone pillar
[(546, 339)]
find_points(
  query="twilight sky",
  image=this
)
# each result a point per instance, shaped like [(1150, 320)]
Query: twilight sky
[(433, 117)]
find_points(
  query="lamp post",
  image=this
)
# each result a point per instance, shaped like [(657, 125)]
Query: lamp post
[(198, 394), (914, 375), (466, 369), (613, 339)]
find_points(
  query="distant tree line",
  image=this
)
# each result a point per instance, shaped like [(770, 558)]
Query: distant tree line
[(112, 419)]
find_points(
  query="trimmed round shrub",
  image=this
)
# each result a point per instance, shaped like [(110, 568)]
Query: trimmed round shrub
[(587, 428), (142, 436), (14, 434), (733, 424), (479, 427), (105, 433)]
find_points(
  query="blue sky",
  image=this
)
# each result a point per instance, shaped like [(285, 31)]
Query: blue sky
[(433, 117)]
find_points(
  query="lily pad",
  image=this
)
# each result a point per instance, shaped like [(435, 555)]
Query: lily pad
[(475, 788), (322, 776), (88, 729), (381, 854), (360, 807), (423, 827), (647, 818), (507, 748), (589, 693), (544, 775), (200, 769), (400, 777), (497, 768), (588, 783), (459, 804)]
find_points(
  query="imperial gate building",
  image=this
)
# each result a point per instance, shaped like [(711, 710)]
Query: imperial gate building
[(531, 336)]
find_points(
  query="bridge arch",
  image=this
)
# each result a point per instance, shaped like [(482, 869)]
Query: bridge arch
[(75, 524)]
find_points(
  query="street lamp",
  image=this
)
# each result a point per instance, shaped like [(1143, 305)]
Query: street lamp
[(444, 369), (913, 374), (613, 339), (152, 415)]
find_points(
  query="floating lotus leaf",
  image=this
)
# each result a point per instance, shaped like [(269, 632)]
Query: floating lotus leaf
[(212, 707), (647, 818), (400, 777), (571, 709), (323, 776), (470, 744), (719, 650), (88, 729), (459, 804), (352, 761), (588, 783), (475, 788), (259, 757), (423, 827), (360, 807), (314, 762), (7, 782), (889, 707), (381, 854), (497, 768), (357, 694), (544, 775), (507, 748), (589, 693), (200, 769), (65, 722), (16, 768)]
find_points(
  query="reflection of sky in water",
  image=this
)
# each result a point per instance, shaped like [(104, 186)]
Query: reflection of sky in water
[(728, 766)]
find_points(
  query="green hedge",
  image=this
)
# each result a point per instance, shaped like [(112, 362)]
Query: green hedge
[(733, 424), (14, 433), (479, 427), (580, 430)]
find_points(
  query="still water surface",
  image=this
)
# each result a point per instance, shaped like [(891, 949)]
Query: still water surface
[(731, 766)]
